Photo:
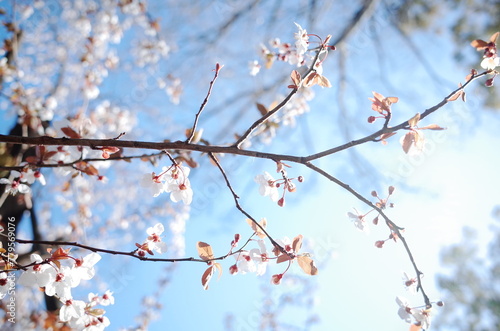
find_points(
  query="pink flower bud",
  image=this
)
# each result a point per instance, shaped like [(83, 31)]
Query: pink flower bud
[(379, 243), (281, 202), (233, 270), (276, 279)]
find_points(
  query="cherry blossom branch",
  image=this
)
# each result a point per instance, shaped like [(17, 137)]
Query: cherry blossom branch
[(392, 226), (273, 111), (132, 253), (179, 145), (386, 129), (193, 130), (238, 206), (71, 164)]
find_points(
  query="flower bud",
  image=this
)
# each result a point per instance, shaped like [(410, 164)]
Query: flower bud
[(233, 270), (281, 202), (391, 189)]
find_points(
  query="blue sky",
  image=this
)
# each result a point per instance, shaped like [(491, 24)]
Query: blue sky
[(357, 282)]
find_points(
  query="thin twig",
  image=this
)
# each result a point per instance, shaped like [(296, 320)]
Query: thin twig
[(392, 226), (132, 254), (193, 130), (238, 206), (273, 111)]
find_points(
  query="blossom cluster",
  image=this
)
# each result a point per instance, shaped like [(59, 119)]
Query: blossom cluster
[(490, 56), (173, 180), (153, 242), (57, 275), (268, 186), (286, 52), (256, 260), (19, 181)]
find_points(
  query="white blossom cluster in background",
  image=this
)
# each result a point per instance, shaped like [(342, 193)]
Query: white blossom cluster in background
[(58, 275)]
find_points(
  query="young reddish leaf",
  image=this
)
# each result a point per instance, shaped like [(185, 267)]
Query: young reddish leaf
[(414, 120), (262, 109), (295, 77), (455, 96), (256, 229), (408, 140), (205, 250), (283, 258), (307, 264), (432, 127), (324, 82), (107, 150), (494, 37), (392, 99), (297, 243), (70, 132), (87, 168), (311, 79), (207, 275), (415, 327), (218, 266), (479, 44)]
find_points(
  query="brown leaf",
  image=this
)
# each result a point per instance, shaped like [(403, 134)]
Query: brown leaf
[(311, 79), (70, 132), (218, 266), (414, 120), (258, 231), (283, 258), (415, 327), (324, 82), (307, 264), (297, 243), (464, 99), (432, 127), (392, 99), (295, 77), (205, 250), (455, 96), (262, 109), (207, 275), (408, 141), (479, 44), (87, 168), (494, 37)]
